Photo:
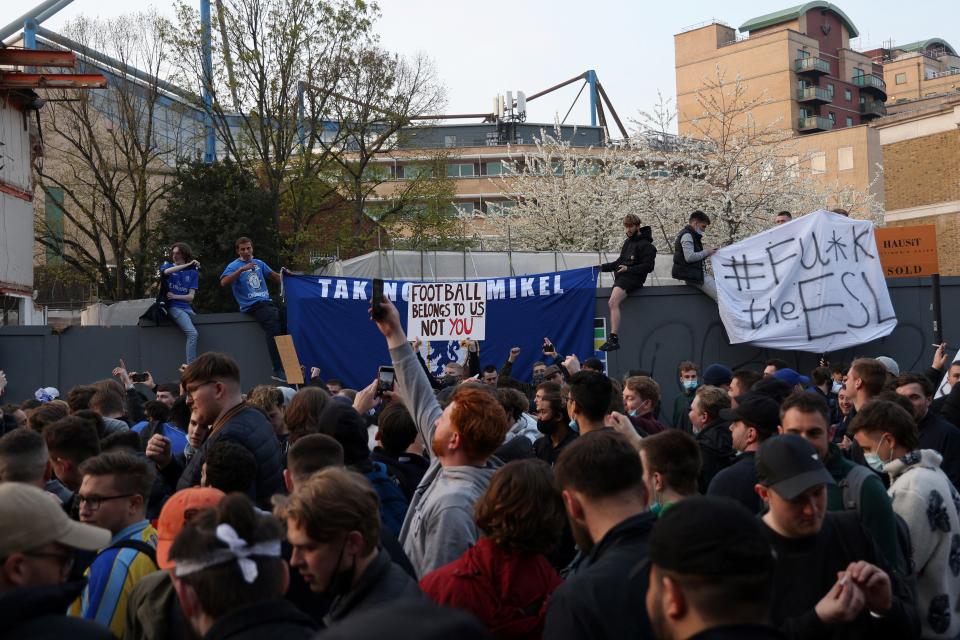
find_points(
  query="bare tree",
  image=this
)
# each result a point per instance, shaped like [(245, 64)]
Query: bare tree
[(109, 154), (276, 64), (377, 100)]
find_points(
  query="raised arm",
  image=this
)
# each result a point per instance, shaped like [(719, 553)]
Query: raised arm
[(413, 386)]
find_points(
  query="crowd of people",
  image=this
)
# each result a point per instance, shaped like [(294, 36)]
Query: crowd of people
[(763, 503)]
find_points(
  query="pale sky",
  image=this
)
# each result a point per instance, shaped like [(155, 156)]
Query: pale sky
[(481, 49)]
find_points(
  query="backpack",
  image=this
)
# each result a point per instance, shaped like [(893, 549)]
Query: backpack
[(852, 487), (143, 547)]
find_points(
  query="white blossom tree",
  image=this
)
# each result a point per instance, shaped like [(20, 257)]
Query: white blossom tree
[(738, 171)]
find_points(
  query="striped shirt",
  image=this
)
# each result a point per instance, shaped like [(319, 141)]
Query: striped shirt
[(112, 576)]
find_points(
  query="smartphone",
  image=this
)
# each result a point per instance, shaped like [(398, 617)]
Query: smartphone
[(139, 377), (549, 348), (377, 312), (385, 379)]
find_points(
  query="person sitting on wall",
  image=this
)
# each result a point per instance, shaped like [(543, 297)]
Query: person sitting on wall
[(689, 255), (637, 259)]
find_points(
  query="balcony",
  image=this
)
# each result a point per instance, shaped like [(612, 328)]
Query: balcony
[(814, 95), (872, 109), (870, 82), (812, 66), (815, 123)]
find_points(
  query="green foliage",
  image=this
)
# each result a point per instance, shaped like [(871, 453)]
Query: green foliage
[(209, 207)]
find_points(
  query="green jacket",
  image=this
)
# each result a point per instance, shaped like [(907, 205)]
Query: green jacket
[(876, 509), (681, 411)]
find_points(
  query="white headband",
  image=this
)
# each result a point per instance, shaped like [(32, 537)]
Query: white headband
[(238, 549)]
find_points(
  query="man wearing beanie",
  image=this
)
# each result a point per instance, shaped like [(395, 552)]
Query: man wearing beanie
[(718, 375), (829, 580), (37, 541), (710, 587)]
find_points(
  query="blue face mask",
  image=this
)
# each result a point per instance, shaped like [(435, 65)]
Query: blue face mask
[(690, 385), (574, 426), (632, 413), (656, 508), (836, 387)]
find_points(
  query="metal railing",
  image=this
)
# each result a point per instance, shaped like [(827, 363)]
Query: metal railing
[(870, 81), (812, 123), (943, 74), (802, 65), (814, 93), (873, 108)]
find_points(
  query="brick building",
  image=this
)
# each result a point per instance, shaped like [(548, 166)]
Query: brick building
[(921, 155)]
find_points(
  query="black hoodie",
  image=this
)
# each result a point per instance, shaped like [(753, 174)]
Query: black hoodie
[(638, 255), (41, 613)]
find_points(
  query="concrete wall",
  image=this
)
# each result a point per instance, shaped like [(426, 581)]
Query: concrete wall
[(35, 357), (662, 326)]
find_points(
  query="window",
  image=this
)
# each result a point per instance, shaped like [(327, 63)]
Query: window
[(502, 208), (449, 141), (833, 118), (802, 54), (463, 170), (494, 168), (53, 213), (845, 158), (830, 89), (414, 171), (847, 95), (849, 121), (901, 78), (818, 162)]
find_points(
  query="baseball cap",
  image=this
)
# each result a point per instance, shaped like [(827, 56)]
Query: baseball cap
[(757, 410), (30, 518), (889, 364), (717, 374), (790, 465), (791, 377), (178, 511), (736, 544)]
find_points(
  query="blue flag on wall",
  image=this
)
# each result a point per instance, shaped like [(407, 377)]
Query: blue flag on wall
[(331, 327)]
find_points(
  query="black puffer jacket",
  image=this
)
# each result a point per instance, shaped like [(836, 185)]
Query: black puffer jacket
[(638, 255), (40, 613), (251, 429)]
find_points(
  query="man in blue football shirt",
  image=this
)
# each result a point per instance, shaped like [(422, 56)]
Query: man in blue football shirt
[(248, 278), (182, 283)]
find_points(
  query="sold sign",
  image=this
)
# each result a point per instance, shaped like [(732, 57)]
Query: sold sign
[(908, 252)]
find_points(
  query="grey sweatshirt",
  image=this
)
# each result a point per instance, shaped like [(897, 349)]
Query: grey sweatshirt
[(439, 525), (691, 256)]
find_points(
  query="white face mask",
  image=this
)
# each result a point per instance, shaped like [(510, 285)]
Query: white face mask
[(836, 387)]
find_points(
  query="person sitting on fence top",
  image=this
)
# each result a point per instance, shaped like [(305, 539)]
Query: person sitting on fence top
[(637, 259), (689, 255), (246, 276)]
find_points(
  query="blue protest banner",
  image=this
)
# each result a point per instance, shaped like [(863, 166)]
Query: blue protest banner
[(331, 328)]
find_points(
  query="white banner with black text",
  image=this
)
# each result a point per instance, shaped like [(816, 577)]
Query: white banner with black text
[(813, 284)]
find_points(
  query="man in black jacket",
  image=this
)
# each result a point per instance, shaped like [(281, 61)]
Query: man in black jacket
[(37, 540), (212, 384), (710, 587), (689, 255), (935, 432), (829, 580), (755, 419), (711, 432), (637, 258), (333, 526), (608, 514)]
